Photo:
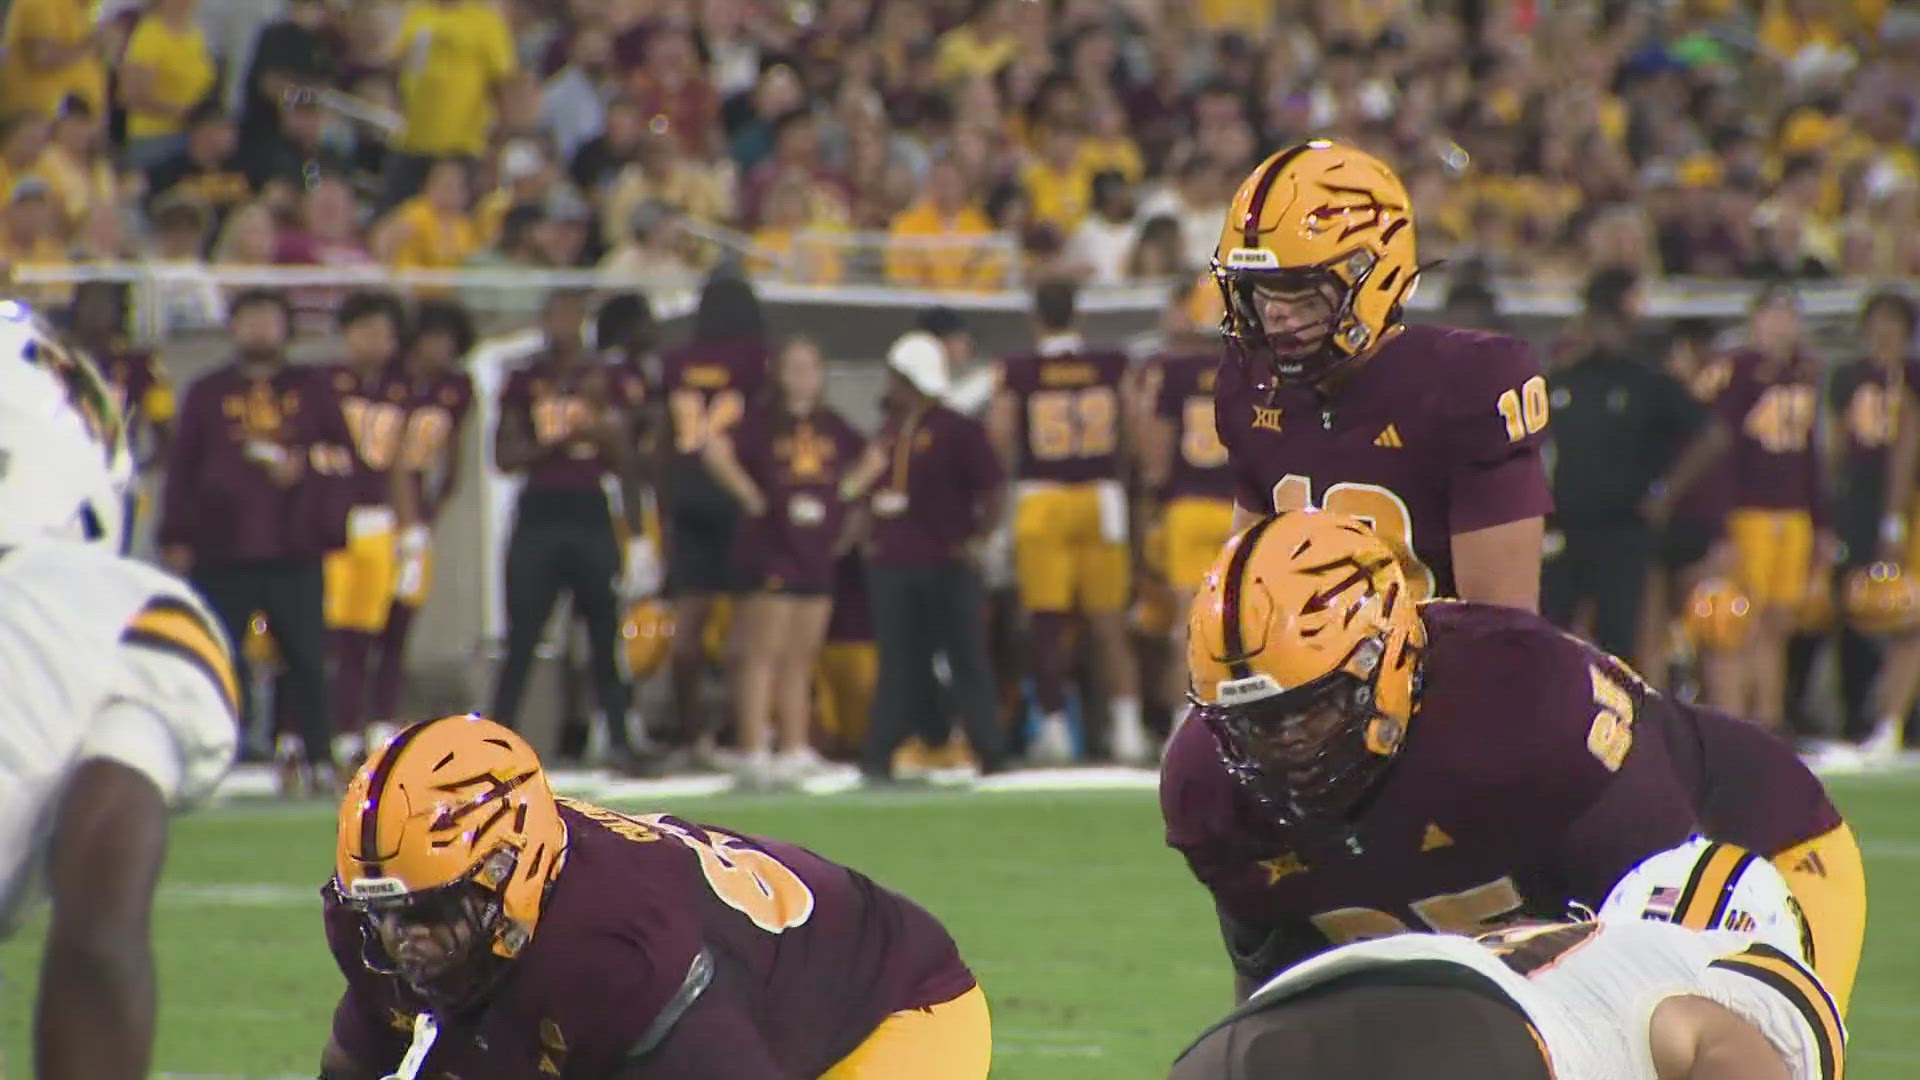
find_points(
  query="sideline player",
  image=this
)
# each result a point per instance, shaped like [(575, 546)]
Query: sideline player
[(1057, 422), (1327, 398), (121, 701), (1366, 765), (512, 934), (1672, 981)]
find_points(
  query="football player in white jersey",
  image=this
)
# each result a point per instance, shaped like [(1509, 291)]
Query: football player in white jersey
[(119, 704), (1696, 968)]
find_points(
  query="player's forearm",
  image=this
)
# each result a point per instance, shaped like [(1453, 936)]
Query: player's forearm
[(1699, 456), (95, 1015)]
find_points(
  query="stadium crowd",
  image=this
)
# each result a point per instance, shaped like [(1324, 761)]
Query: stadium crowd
[(851, 140), (973, 145)]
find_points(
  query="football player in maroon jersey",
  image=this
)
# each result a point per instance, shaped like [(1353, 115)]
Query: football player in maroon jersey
[(487, 930), (1327, 398), (1358, 764)]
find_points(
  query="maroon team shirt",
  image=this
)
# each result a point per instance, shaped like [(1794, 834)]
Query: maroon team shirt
[(437, 406), (1440, 433), (623, 926), (1069, 409), (562, 404), (709, 386), (375, 408), (221, 501), (1771, 410), (797, 462), (1185, 401), (941, 471), (132, 375)]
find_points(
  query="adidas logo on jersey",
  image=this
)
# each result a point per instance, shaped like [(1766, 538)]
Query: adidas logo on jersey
[(1435, 838), (1389, 437)]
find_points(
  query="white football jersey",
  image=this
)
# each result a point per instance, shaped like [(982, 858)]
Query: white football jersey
[(101, 657), (1590, 988)]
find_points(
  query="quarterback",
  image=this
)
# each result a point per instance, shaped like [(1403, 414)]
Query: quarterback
[(1367, 765), (120, 702), (487, 930), (1327, 398), (1695, 969)]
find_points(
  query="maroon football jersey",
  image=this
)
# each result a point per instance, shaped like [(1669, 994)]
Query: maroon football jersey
[(1749, 785), (1438, 434), (562, 405), (1525, 782), (797, 463), (375, 408), (709, 386), (1199, 468), (819, 953), (220, 498), (437, 406), (133, 376), (1869, 406), (1771, 411), (1069, 414)]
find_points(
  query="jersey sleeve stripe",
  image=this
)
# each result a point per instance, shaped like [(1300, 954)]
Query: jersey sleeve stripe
[(174, 627), (1705, 898), (1794, 983)]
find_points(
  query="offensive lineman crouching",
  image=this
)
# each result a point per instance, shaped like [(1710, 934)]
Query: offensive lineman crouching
[(512, 934)]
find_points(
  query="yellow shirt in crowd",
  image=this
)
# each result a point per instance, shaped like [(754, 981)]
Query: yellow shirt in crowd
[(450, 57), (78, 187), (430, 240), (958, 265), (182, 69), (63, 22)]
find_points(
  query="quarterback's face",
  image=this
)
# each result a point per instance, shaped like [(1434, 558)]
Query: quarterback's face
[(1296, 316), (428, 942)]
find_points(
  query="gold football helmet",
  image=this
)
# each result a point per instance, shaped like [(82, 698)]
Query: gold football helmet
[(1882, 600), (1320, 217), (1304, 646), (451, 823)]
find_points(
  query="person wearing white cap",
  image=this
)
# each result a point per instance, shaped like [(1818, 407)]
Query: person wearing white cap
[(934, 488)]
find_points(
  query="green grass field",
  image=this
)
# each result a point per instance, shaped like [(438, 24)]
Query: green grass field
[(1097, 951)]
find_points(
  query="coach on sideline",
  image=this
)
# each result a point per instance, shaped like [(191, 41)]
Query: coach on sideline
[(935, 488)]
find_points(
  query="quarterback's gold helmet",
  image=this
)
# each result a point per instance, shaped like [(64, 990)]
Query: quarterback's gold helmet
[(1317, 218), (1304, 646), (1882, 600), (451, 822)]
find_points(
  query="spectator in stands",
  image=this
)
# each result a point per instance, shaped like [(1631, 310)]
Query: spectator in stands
[(574, 101), (1198, 201), (784, 464), (177, 294), (207, 166), (1159, 253), (31, 240), (298, 148), (598, 161), (655, 249), (455, 59), (526, 178), (1620, 422), (293, 57), (51, 50), (251, 505), (943, 241), (1098, 250), (167, 70), (566, 421), (935, 491), (776, 95), (249, 237), (23, 146), (793, 241), (324, 232), (796, 149), (661, 171), (75, 164), (432, 230), (669, 83)]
